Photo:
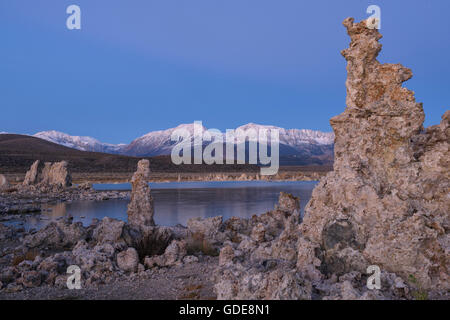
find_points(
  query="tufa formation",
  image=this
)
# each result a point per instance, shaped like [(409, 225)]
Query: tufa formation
[(386, 203), (140, 209), (52, 175)]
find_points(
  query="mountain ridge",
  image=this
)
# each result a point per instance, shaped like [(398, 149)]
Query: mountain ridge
[(297, 146)]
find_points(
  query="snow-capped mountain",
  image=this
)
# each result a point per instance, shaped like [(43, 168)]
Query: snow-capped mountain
[(157, 142), (296, 137), (77, 142), (294, 143)]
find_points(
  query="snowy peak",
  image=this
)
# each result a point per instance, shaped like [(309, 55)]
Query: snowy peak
[(295, 137), (78, 142), (160, 143)]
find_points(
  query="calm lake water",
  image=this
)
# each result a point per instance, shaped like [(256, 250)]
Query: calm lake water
[(176, 202)]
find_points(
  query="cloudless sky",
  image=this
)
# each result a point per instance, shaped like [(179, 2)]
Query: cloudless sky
[(143, 65)]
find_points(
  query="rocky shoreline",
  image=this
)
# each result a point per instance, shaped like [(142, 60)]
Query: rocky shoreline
[(385, 206)]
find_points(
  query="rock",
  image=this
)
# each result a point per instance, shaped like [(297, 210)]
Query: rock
[(31, 279), (56, 174), (175, 252), (8, 275), (173, 255), (85, 186), (32, 174), (61, 281), (140, 209), (386, 202), (239, 283), (98, 264), (56, 235), (190, 259), (12, 288), (52, 175), (148, 240), (6, 232), (226, 255), (288, 203), (109, 230), (258, 233), (208, 228), (128, 260), (4, 184)]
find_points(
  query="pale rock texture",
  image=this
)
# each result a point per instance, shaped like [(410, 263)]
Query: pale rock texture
[(173, 255), (31, 175), (4, 184), (52, 175), (60, 234), (109, 230), (387, 201), (207, 229), (288, 203), (128, 260), (56, 174), (226, 255), (258, 261), (140, 209)]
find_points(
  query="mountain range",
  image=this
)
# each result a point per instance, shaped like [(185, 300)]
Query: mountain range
[(297, 146)]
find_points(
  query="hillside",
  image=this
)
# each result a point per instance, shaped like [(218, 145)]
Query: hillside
[(18, 152)]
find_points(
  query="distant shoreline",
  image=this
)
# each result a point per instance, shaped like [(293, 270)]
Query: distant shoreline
[(307, 173)]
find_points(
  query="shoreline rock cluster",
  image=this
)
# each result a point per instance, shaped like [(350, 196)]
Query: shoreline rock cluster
[(385, 204), (52, 175), (51, 184)]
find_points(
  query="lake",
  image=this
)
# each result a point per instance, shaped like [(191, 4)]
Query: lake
[(176, 202)]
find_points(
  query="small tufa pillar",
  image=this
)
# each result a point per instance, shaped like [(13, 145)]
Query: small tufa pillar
[(140, 209)]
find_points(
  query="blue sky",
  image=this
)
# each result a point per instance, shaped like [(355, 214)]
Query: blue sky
[(143, 65)]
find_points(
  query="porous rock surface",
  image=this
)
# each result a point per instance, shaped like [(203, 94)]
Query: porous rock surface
[(140, 209), (386, 203), (52, 175), (4, 184), (31, 176)]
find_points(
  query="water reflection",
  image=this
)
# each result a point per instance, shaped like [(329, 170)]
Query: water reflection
[(178, 202)]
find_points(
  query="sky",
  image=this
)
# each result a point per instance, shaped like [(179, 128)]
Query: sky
[(142, 65)]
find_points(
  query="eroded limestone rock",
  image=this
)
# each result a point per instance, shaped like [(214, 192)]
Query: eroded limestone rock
[(288, 203), (386, 202), (52, 175), (140, 209), (56, 174), (31, 175), (173, 255), (128, 260), (56, 235), (4, 184)]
